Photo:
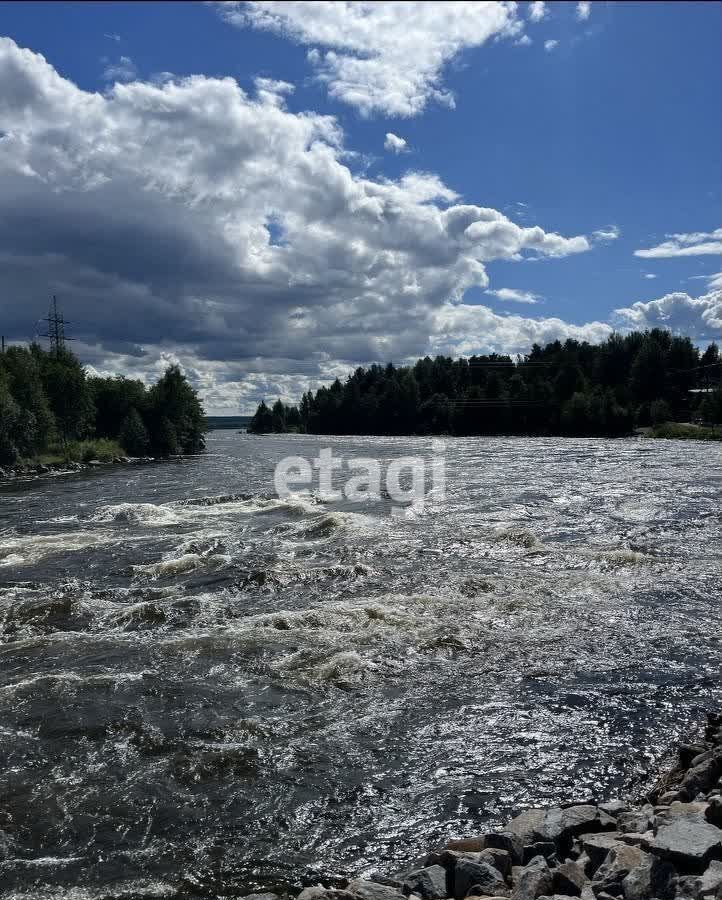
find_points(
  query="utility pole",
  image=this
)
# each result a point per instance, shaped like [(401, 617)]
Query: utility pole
[(56, 329)]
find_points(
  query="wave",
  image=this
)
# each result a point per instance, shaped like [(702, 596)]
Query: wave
[(622, 557), (180, 565), (518, 537), (136, 514), (25, 550)]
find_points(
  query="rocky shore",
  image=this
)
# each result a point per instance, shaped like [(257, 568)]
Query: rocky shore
[(9, 473), (669, 846)]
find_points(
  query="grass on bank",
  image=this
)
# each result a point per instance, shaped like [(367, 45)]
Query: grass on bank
[(686, 432), (102, 449)]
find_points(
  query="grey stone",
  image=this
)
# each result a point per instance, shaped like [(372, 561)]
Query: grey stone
[(654, 878), (643, 840), (636, 820), (701, 778), (448, 858), (509, 841), (534, 880), (472, 844), (267, 896), (614, 807), (487, 880), (687, 753), (529, 825), (713, 813), (370, 890), (569, 878), (688, 843), (678, 809), (709, 884), (596, 846), (319, 892), (562, 825), (547, 849), (686, 887), (617, 864), (500, 859), (429, 883)]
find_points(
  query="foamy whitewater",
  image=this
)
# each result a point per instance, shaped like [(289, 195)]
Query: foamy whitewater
[(207, 690)]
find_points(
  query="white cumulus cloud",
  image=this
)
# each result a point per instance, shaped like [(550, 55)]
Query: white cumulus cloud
[(611, 233), (515, 295), (122, 70), (233, 237), (537, 10), (393, 143), (696, 243), (550, 45), (466, 329), (381, 57), (584, 10), (698, 317)]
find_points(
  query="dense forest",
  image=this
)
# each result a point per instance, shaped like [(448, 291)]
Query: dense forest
[(639, 379), (50, 409)]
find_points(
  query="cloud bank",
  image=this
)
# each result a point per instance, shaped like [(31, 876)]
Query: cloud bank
[(188, 220)]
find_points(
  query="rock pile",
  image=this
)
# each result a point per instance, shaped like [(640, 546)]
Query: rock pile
[(669, 847)]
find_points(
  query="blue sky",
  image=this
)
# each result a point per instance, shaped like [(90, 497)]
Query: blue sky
[(613, 129)]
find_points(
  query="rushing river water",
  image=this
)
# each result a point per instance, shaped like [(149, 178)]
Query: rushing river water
[(206, 690)]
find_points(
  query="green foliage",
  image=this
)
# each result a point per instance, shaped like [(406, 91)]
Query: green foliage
[(571, 388), (659, 411), (175, 417), (133, 434), (50, 409)]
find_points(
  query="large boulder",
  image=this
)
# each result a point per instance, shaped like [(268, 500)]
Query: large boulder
[(617, 864), (428, 883), (479, 875), (509, 841), (653, 878), (713, 813), (569, 878), (467, 845), (637, 820), (562, 825), (702, 777), (547, 849), (534, 880), (500, 859), (689, 843), (371, 890), (680, 809), (528, 825), (597, 846), (708, 886)]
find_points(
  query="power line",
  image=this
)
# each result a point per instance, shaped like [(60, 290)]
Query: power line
[(56, 329)]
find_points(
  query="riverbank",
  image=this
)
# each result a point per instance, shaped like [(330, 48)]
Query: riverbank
[(36, 470), (667, 846)]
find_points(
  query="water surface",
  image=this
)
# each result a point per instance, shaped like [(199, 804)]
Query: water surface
[(206, 690)]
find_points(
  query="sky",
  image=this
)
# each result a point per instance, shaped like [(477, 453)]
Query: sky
[(273, 193)]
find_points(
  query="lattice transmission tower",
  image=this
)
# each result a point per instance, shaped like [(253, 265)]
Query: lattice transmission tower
[(56, 329)]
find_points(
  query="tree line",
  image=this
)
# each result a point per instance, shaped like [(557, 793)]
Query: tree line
[(570, 388), (50, 406)]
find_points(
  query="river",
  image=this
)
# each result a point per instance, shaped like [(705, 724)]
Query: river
[(206, 690)]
